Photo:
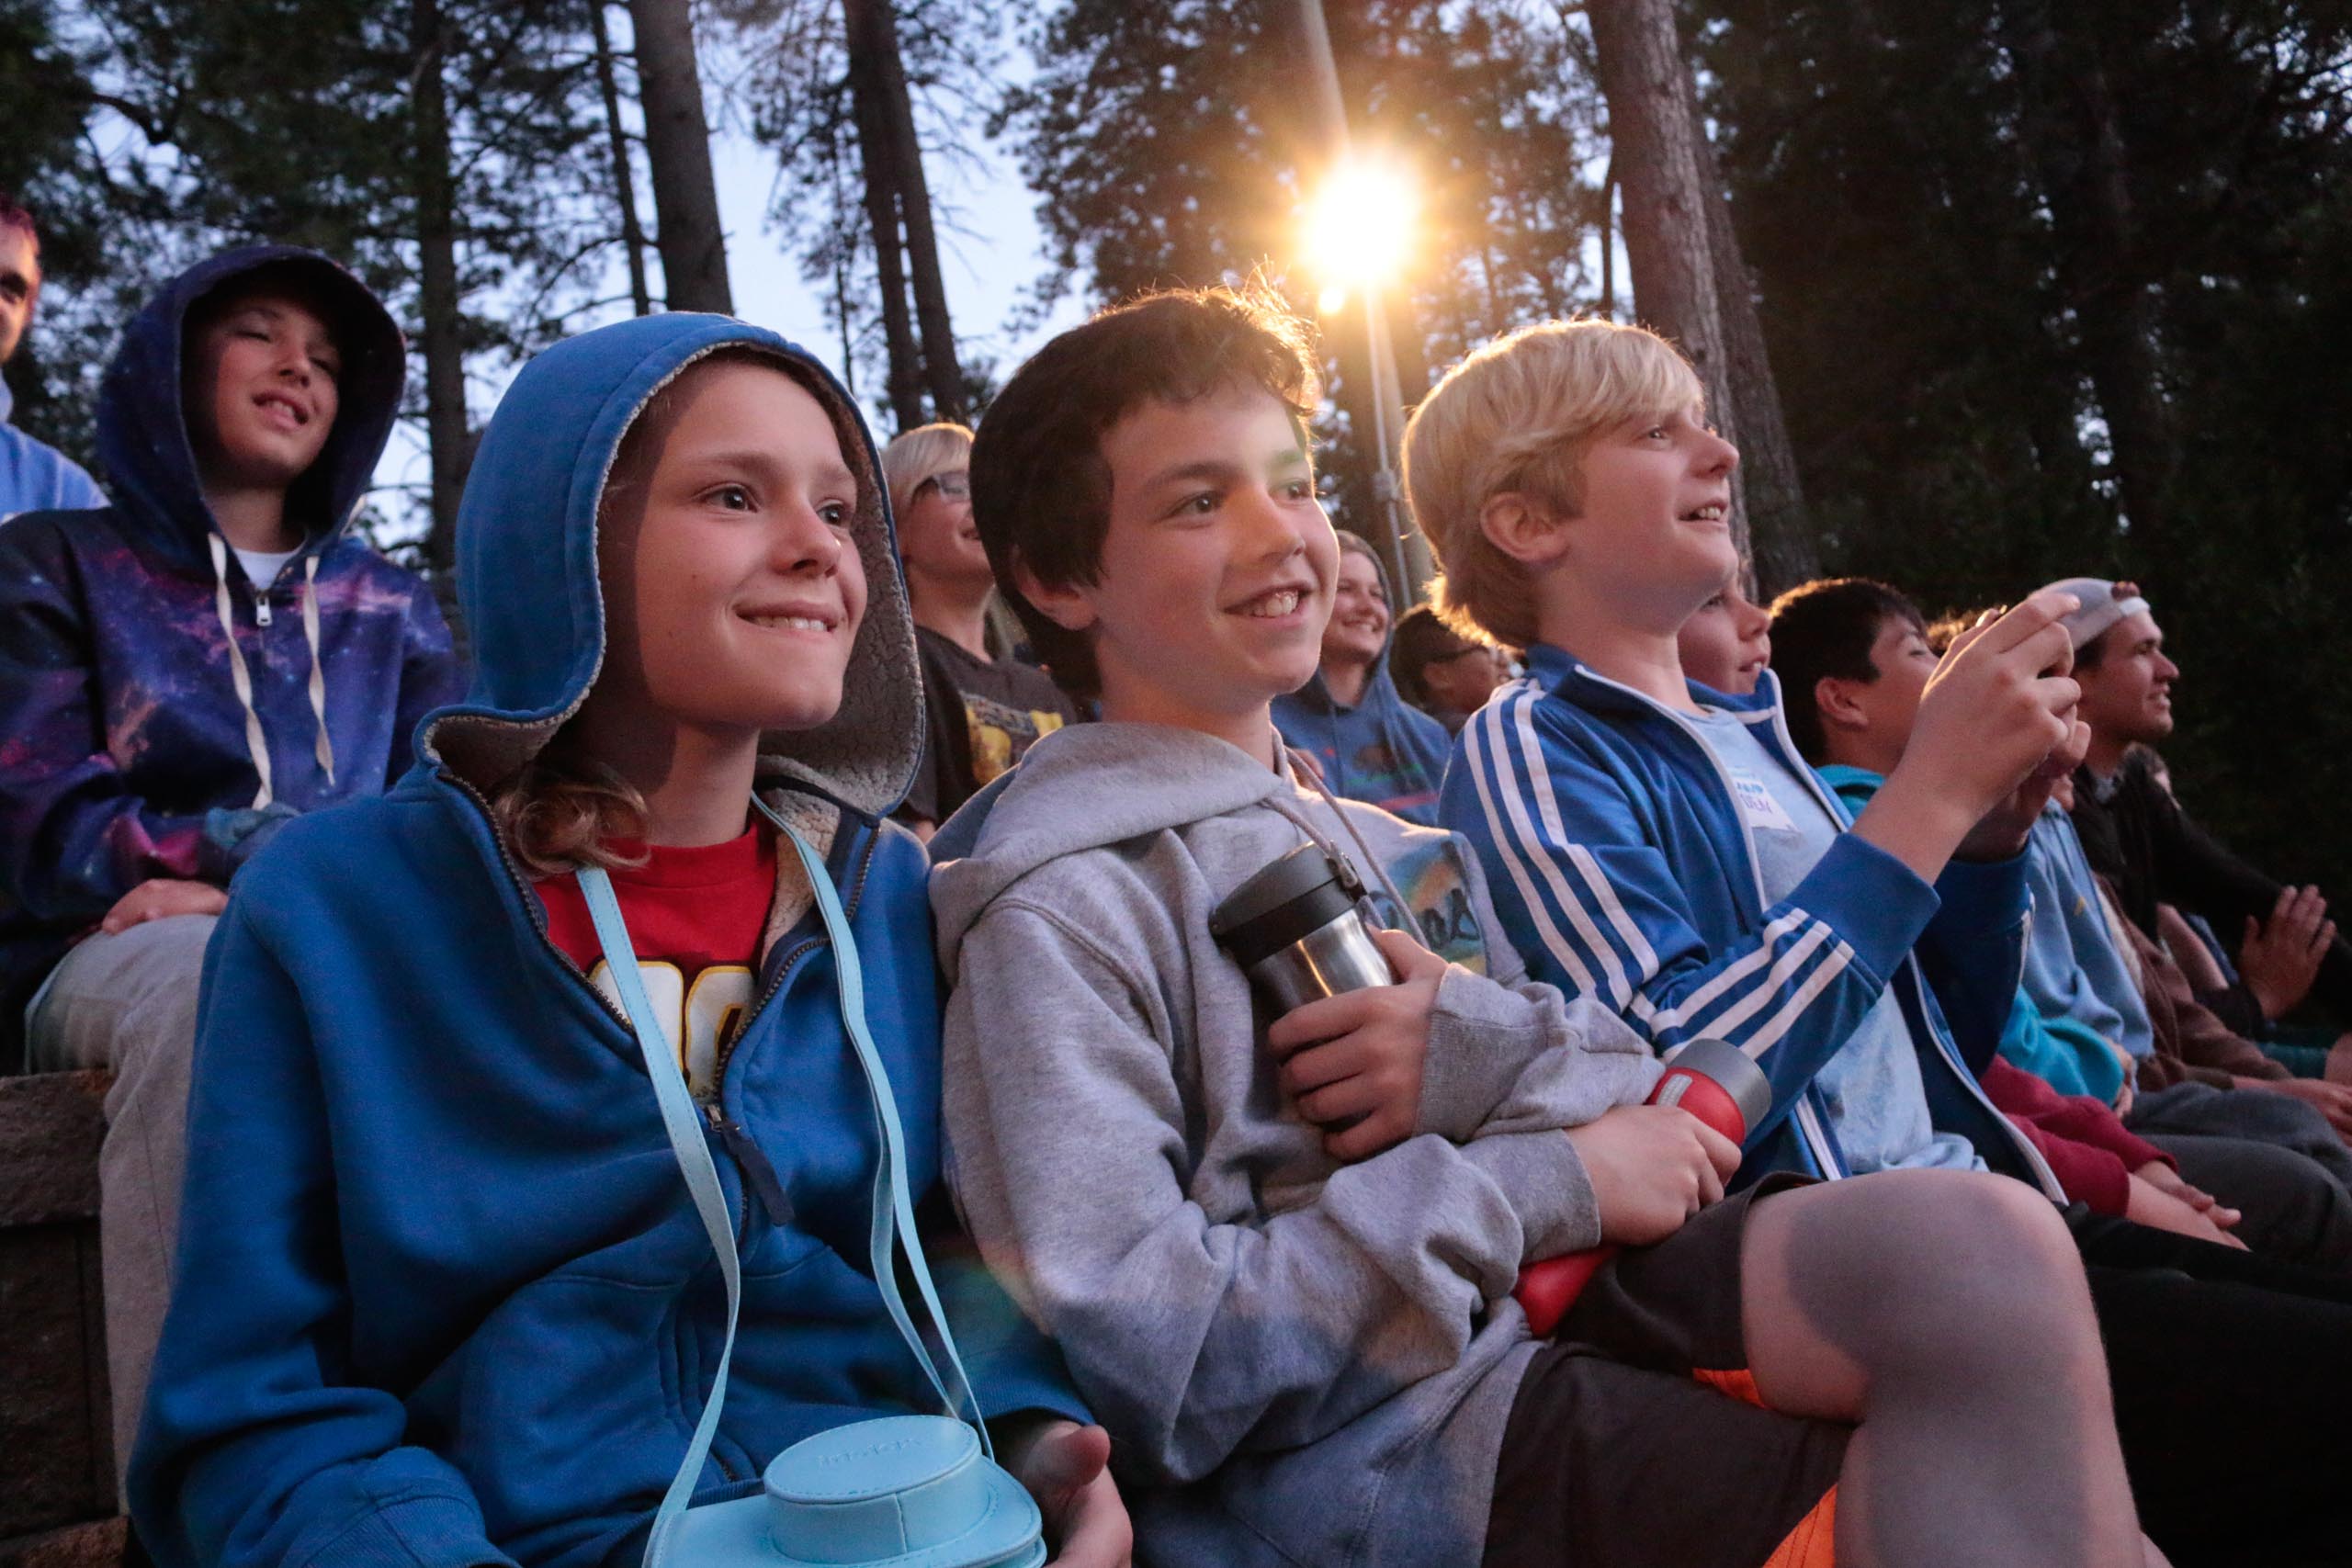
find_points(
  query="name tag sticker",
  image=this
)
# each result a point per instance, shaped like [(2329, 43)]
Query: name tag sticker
[(1757, 804)]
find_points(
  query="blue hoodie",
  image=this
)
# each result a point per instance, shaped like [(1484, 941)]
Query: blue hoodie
[(1382, 751), (130, 751), (442, 1298), (1616, 853), (2072, 968), (2059, 1050)]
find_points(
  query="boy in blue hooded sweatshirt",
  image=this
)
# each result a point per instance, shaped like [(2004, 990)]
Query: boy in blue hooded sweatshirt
[(1370, 743), (181, 673), (444, 1299)]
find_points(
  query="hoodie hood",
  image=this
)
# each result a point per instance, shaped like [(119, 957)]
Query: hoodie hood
[(143, 425), (1081, 788), (1316, 695), (1382, 749), (527, 575)]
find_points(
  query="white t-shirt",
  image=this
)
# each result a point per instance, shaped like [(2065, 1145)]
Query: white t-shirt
[(262, 567)]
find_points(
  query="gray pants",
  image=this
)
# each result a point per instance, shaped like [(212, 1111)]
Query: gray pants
[(2273, 1157), (127, 1002)]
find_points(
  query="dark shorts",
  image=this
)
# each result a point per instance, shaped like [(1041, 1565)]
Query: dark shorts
[(1636, 1442)]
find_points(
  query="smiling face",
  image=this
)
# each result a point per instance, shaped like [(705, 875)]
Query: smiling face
[(2127, 695), (1217, 564), (260, 388), (1654, 531), (1727, 643), (19, 284), (938, 540), (1358, 629), (732, 586)]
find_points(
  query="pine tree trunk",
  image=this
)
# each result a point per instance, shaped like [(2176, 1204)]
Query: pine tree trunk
[(879, 170), (942, 375), (677, 148), (1669, 243), (624, 180), (1781, 548), (450, 442)]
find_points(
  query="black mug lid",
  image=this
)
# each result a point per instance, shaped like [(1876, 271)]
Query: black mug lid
[(1302, 892)]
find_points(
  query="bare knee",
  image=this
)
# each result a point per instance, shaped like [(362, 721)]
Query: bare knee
[(1948, 1270)]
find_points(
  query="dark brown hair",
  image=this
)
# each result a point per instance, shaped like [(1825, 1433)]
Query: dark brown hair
[(1825, 629), (1040, 489)]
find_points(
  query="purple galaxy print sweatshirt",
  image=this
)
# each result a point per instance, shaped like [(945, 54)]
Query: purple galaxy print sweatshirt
[(126, 750)]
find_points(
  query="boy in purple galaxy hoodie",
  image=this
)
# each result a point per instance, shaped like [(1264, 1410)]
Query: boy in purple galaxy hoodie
[(180, 673)]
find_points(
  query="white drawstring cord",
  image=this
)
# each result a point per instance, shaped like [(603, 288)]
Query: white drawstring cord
[(256, 743), (324, 749)]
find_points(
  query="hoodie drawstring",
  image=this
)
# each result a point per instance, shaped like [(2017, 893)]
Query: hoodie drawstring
[(324, 749), (256, 742), (1378, 869)]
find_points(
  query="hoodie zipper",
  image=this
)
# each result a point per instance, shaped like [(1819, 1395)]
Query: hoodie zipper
[(783, 966)]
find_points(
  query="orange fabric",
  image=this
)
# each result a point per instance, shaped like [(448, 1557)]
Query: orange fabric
[(1814, 1543), (1739, 1382)]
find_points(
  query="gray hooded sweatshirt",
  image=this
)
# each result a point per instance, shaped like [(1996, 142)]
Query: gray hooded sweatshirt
[(1298, 1361)]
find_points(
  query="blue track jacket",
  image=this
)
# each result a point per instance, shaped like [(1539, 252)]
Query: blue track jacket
[(442, 1298), (1615, 853)]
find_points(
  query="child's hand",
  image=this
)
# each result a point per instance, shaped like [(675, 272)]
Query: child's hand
[(2160, 1211), (1065, 1467), (1352, 1063), (2002, 831), (1652, 1167), (2168, 1181), (160, 897)]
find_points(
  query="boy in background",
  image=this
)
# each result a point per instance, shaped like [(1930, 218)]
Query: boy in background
[(1854, 662), (180, 675), (1443, 673), (980, 711)]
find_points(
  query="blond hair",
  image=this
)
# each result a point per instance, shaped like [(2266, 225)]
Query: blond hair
[(919, 455), (1517, 415)]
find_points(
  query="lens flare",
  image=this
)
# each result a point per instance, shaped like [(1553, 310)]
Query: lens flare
[(1359, 226)]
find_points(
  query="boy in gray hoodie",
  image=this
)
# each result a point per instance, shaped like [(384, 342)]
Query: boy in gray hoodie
[(1278, 1252)]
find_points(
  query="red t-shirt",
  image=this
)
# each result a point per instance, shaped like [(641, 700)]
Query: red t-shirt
[(695, 917)]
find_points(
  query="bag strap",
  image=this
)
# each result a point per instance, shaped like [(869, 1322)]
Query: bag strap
[(892, 1201), (893, 1224)]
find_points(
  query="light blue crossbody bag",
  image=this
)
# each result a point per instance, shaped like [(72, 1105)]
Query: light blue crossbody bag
[(893, 1492)]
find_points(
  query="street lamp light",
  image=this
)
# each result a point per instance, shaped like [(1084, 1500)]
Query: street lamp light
[(1360, 224), (1358, 238)]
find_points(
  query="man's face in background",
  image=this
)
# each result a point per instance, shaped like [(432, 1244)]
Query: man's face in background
[(19, 286)]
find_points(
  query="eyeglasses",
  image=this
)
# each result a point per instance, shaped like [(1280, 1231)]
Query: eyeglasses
[(951, 487)]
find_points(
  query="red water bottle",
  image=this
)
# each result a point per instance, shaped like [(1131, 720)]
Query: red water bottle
[(1714, 1080)]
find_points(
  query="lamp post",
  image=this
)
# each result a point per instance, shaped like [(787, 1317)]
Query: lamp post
[(1358, 234)]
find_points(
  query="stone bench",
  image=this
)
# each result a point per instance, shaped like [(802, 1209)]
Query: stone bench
[(57, 1472)]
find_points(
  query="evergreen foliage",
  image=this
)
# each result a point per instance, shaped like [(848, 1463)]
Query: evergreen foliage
[(1943, 284)]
